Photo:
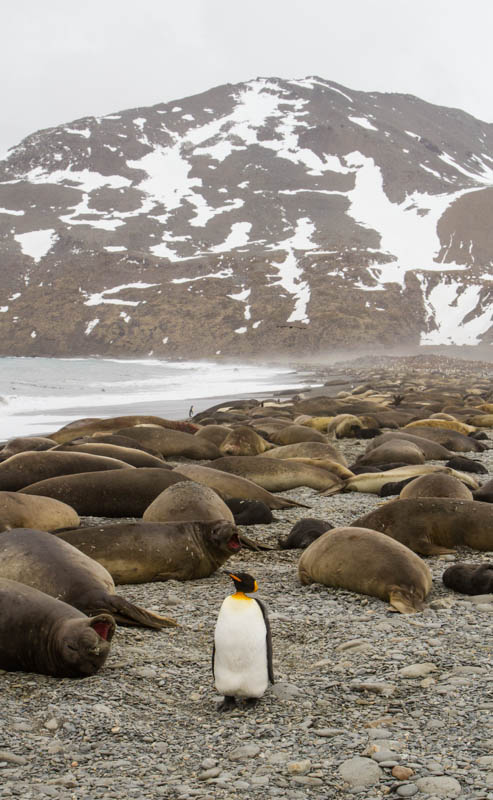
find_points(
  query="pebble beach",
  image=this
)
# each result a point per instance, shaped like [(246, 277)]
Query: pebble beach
[(366, 702)]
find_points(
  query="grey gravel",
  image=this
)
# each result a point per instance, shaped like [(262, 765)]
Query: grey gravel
[(146, 726)]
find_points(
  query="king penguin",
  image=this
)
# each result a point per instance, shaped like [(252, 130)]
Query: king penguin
[(242, 656)]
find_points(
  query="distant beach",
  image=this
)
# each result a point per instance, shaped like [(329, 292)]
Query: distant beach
[(40, 395)]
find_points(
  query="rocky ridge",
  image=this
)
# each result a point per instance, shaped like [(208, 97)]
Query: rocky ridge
[(272, 216)]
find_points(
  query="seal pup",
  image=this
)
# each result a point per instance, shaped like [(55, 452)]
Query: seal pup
[(242, 653), (26, 511), (465, 464), (249, 512), (303, 533), (433, 525), (39, 633), (469, 578), (367, 562), (144, 552), (53, 566)]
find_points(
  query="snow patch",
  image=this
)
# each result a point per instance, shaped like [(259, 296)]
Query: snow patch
[(37, 244), (363, 122)]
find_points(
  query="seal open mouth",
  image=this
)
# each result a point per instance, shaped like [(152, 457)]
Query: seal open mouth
[(234, 543), (103, 629)]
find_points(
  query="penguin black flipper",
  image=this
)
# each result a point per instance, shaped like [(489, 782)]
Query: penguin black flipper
[(268, 639), (213, 656)]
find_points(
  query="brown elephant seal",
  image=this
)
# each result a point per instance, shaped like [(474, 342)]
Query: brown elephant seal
[(249, 512), (451, 440), (244, 441), (433, 526), (228, 485), (26, 511), (113, 493), (186, 501), (39, 633), (136, 458), (485, 492), (307, 450), (142, 552), (173, 443), (277, 475), (443, 424), (86, 427), (465, 464), (430, 449), (48, 563), (469, 578), (303, 533), (113, 438), (214, 433), (30, 467), (292, 434), (22, 443), (367, 562), (394, 450), (372, 482), (436, 484)]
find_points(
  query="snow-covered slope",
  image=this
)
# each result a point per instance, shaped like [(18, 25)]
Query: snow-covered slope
[(273, 215)]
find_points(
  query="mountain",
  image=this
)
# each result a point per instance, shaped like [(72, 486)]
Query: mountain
[(272, 216)]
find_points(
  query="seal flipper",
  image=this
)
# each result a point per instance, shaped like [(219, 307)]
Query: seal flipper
[(404, 601), (427, 548), (126, 613)]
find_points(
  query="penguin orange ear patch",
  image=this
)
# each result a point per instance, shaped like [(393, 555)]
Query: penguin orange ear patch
[(235, 577)]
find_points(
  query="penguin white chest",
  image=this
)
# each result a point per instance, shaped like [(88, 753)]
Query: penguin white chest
[(240, 638)]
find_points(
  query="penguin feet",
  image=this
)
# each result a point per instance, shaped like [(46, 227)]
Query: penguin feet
[(251, 702), (227, 704)]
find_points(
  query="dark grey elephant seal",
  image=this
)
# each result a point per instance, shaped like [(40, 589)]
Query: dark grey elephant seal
[(115, 493), (53, 566), (433, 525), (465, 464), (41, 634), (30, 467), (368, 562), (469, 578), (249, 512), (142, 552), (303, 533)]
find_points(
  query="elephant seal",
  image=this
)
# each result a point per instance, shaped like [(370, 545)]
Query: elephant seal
[(394, 450), (367, 562), (469, 578), (451, 440), (445, 424), (30, 467), (430, 449), (249, 512), (485, 492), (47, 563), (22, 443), (228, 485), (214, 433), (303, 533), (186, 501), (436, 484), (142, 552), (466, 465), (39, 633), (25, 511), (433, 525), (173, 443), (277, 475), (129, 455), (86, 427), (372, 482), (244, 441), (394, 487), (113, 438), (114, 493), (307, 450), (291, 434)]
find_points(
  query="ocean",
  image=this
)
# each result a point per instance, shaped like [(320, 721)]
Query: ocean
[(40, 395)]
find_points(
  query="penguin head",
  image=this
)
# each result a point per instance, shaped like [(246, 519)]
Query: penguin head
[(243, 582)]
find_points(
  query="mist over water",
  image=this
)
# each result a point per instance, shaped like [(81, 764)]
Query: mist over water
[(39, 395)]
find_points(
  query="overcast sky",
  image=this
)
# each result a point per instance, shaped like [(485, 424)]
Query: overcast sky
[(65, 59)]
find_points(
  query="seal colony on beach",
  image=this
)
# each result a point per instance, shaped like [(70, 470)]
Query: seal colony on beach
[(185, 484)]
